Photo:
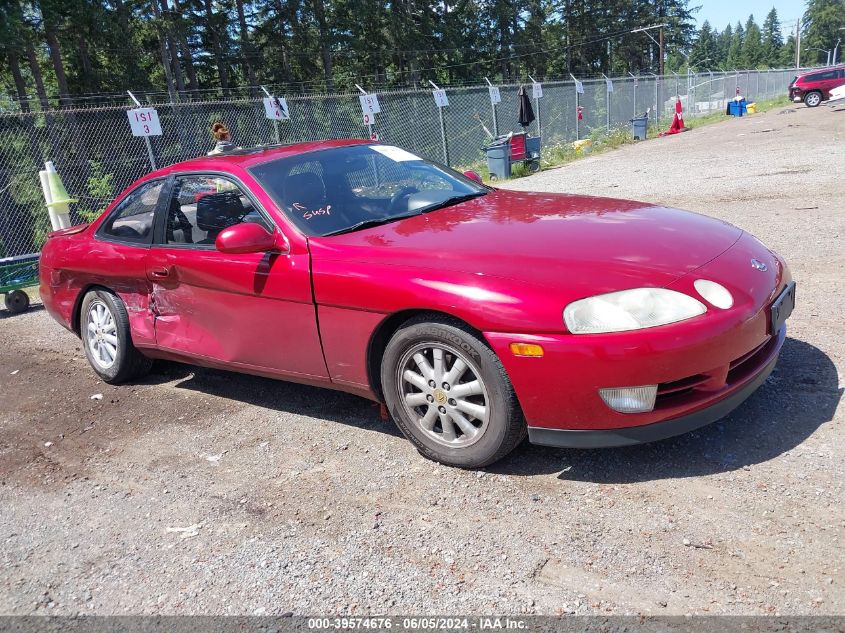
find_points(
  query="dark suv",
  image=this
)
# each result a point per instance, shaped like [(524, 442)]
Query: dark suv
[(814, 87)]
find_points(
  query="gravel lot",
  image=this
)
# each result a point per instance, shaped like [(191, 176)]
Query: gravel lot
[(199, 491)]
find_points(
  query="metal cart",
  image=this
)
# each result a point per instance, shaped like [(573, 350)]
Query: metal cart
[(17, 273), (506, 150)]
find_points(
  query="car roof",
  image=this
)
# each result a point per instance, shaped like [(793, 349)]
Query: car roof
[(249, 156), (821, 70)]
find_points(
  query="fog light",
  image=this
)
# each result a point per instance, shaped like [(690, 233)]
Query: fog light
[(630, 399), (715, 293), (526, 349)]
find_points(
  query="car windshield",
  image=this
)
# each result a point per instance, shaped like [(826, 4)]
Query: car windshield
[(343, 189)]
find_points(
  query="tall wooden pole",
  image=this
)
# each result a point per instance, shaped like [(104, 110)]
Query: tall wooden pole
[(661, 52)]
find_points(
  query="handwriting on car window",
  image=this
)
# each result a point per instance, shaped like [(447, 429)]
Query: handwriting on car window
[(308, 214)]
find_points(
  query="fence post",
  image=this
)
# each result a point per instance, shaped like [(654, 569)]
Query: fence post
[(657, 111), (442, 129), (607, 100), (634, 116), (536, 105), (146, 138), (577, 112)]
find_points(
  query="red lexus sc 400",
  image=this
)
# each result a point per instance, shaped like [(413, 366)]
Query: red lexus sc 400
[(478, 315)]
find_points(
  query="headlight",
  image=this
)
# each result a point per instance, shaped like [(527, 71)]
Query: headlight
[(630, 310), (715, 293)]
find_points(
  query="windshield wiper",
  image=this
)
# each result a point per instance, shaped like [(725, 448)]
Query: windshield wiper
[(448, 202), (366, 224)]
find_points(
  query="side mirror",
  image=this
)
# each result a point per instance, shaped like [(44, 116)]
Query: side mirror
[(473, 175), (247, 237)]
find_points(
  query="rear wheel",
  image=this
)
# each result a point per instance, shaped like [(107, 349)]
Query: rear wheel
[(104, 325), (812, 99), (16, 301), (449, 394)]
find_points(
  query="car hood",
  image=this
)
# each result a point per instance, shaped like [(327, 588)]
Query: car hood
[(553, 240)]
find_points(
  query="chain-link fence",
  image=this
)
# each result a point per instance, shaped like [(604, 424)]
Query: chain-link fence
[(97, 156)]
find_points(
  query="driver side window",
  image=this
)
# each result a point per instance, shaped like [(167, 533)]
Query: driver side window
[(200, 207)]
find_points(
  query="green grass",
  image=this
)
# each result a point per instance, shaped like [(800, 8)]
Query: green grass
[(557, 154)]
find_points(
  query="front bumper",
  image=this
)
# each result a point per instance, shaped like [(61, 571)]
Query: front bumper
[(626, 436), (702, 367)]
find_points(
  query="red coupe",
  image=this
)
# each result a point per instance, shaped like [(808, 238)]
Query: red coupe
[(477, 315)]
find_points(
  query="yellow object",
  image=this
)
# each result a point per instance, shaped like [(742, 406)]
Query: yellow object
[(584, 146), (751, 108), (526, 349), (58, 193)]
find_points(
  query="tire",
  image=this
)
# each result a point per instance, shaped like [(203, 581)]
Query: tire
[(812, 99), (16, 301), (533, 167), (106, 339), (492, 425)]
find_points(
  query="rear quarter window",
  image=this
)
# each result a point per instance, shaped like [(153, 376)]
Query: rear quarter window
[(133, 218)]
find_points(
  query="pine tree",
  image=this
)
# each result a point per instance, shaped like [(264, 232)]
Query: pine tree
[(752, 46), (772, 39), (822, 21), (735, 57), (705, 50)]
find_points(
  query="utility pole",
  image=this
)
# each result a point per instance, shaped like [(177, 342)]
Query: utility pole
[(661, 52), (798, 43)]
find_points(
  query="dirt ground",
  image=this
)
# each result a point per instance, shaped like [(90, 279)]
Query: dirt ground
[(199, 491)]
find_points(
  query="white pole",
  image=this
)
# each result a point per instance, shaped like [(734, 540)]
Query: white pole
[(369, 125), (493, 106), (275, 122), (146, 138)]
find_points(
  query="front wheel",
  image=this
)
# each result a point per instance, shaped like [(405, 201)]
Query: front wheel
[(104, 325), (16, 301), (812, 99), (449, 394)]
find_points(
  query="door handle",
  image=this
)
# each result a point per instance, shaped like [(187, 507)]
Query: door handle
[(160, 273)]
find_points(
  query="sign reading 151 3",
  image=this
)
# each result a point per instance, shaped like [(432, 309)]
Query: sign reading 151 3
[(144, 122)]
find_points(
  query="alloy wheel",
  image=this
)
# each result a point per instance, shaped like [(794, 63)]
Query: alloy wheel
[(101, 334), (444, 394)]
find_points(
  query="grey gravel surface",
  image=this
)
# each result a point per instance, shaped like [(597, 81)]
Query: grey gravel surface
[(198, 491)]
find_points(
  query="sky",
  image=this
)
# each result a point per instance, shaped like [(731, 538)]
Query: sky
[(720, 13)]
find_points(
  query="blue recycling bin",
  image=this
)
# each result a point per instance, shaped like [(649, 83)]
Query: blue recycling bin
[(498, 159), (737, 108)]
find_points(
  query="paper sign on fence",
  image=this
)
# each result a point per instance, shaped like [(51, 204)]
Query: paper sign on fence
[(537, 89), (369, 104), (144, 122), (495, 97), (276, 108), (609, 84), (440, 98), (579, 87)]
